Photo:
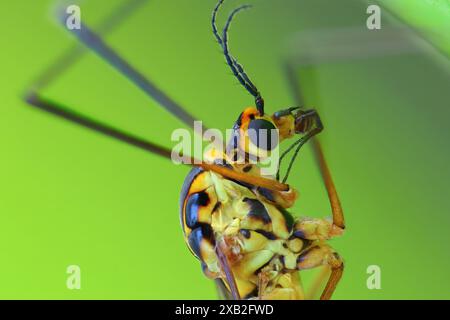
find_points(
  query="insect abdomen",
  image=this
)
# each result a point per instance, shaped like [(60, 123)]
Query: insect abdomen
[(198, 201)]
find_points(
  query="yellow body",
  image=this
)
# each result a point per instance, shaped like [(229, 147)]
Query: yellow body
[(264, 245)]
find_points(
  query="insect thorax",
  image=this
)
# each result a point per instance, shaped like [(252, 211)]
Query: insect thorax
[(254, 231)]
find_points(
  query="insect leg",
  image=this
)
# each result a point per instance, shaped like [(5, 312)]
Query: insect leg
[(335, 277), (68, 114), (68, 59), (336, 208), (313, 291), (94, 41), (222, 290), (315, 229), (307, 122), (323, 255), (225, 266), (74, 54)]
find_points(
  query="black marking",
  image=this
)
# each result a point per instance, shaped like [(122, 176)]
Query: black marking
[(282, 258), (234, 141), (252, 294), (257, 210), (205, 269), (216, 206), (234, 153), (266, 193), (249, 157), (299, 234), (247, 168), (246, 233), (185, 190), (193, 205), (288, 219), (235, 156), (238, 122), (203, 232), (244, 184), (303, 256), (267, 234)]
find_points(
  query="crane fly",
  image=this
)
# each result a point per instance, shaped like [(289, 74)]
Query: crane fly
[(235, 220)]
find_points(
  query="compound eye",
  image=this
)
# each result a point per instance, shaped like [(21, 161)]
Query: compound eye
[(263, 134)]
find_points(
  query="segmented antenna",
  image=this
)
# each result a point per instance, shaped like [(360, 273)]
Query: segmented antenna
[(236, 67)]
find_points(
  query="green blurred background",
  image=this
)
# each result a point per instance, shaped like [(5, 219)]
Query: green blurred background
[(70, 196)]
